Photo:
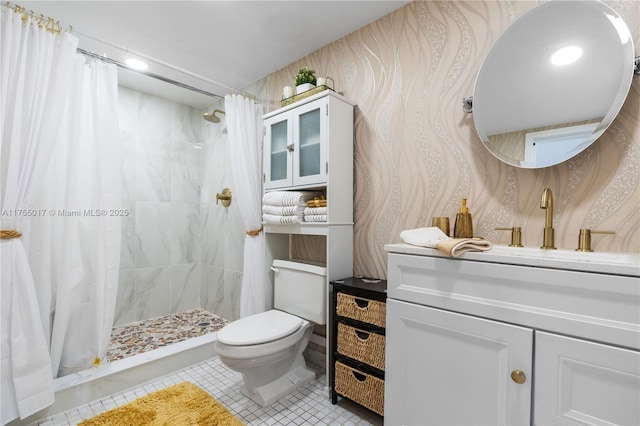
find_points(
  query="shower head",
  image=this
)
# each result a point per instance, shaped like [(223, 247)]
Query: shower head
[(212, 117)]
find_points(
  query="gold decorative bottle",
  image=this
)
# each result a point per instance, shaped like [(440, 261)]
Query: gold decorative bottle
[(463, 227)]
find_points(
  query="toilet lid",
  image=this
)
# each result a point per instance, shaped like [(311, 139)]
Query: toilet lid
[(259, 328)]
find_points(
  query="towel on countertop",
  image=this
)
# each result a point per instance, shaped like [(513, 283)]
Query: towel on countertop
[(315, 210), (424, 237), (289, 198), (281, 220), (283, 210), (433, 237), (315, 217)]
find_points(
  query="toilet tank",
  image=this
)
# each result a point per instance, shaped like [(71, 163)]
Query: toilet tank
[(300, 288)]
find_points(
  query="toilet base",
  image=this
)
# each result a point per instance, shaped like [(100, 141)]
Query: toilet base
[(269, 393)]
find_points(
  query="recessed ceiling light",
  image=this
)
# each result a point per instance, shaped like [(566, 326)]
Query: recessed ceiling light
[(566, 55), (136, 64)]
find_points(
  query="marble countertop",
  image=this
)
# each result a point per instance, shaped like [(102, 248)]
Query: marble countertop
[(598, 262)]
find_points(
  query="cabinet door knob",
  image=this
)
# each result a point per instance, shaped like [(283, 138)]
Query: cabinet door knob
[(518, 376), (290, 148)]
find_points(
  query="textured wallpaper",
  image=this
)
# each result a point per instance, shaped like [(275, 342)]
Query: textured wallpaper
[(416, 151)]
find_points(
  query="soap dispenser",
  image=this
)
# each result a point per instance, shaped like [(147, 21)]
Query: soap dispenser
[(463, 227)]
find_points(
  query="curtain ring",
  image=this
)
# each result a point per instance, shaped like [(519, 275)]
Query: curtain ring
[(8, 234), (254, 232)]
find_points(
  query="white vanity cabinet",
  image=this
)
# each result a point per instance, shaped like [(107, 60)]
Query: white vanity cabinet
[(304, 139), (475, 340), (581, 382), (447, 368)]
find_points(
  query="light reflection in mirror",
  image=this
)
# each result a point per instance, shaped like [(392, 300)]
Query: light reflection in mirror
[(566, 55)]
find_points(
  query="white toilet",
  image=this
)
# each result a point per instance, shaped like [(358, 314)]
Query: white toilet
[(267, 347)]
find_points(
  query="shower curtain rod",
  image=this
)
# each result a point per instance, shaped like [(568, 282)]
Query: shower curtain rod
[(150, 74), (173, 67), (52, 25)]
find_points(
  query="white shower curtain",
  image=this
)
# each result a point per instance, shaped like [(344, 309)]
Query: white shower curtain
[(59, 153), (75, 253), (244, 127), (35, 73)]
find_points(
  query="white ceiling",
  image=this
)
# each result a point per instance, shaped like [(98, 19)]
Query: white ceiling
[(209, 45)]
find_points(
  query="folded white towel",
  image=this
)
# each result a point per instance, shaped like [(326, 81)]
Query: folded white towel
[(283, 210), (424, 237), (281, 220), (289, 198), (433, 237), (315, 210), (315, 217)]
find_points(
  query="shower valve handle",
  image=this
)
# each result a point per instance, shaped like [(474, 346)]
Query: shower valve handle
[(225, 197)]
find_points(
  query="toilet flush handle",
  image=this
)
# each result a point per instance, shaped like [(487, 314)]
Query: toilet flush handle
[(274, 269)]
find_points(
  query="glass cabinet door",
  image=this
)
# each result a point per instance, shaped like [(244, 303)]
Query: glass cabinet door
[(309, 137), (295, 146), (277, 153), (309, 156)]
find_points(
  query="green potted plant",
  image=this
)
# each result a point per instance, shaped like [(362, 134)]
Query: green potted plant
[(305, 80)]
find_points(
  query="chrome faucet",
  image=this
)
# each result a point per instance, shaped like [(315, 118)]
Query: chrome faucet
[(547, 203)]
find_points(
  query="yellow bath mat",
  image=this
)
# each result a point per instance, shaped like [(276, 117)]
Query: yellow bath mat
[(183, 404)]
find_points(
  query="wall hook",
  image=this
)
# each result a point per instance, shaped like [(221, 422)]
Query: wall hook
[(225, 197), (467, 104)]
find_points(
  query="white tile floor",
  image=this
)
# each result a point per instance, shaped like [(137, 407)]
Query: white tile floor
[(307, 406)]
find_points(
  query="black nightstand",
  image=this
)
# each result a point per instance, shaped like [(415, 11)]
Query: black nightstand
[(357, 341)]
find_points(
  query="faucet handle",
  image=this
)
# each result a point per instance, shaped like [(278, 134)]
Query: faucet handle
[(516, 235), (584, 238)]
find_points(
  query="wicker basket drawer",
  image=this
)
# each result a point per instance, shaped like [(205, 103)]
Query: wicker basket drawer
[(365, 389), (361, 309), (361, 345)]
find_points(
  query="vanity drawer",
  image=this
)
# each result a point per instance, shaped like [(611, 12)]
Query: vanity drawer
[(361, 309), (361, 345), (363, 388), (594, 306)]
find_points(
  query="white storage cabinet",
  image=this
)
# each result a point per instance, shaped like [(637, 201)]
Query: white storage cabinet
[(300, 138), (308, 145)]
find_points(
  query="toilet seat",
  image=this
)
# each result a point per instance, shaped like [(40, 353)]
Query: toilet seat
[(259, 328)]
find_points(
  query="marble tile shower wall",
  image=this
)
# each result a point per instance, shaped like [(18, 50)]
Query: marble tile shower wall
[(169, 245), (222, 228)]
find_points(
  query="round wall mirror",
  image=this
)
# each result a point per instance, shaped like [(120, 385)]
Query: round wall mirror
[(553, 82)]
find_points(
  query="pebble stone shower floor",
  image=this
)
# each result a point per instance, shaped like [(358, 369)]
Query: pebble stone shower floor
[(142, 336), (307, 406)]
